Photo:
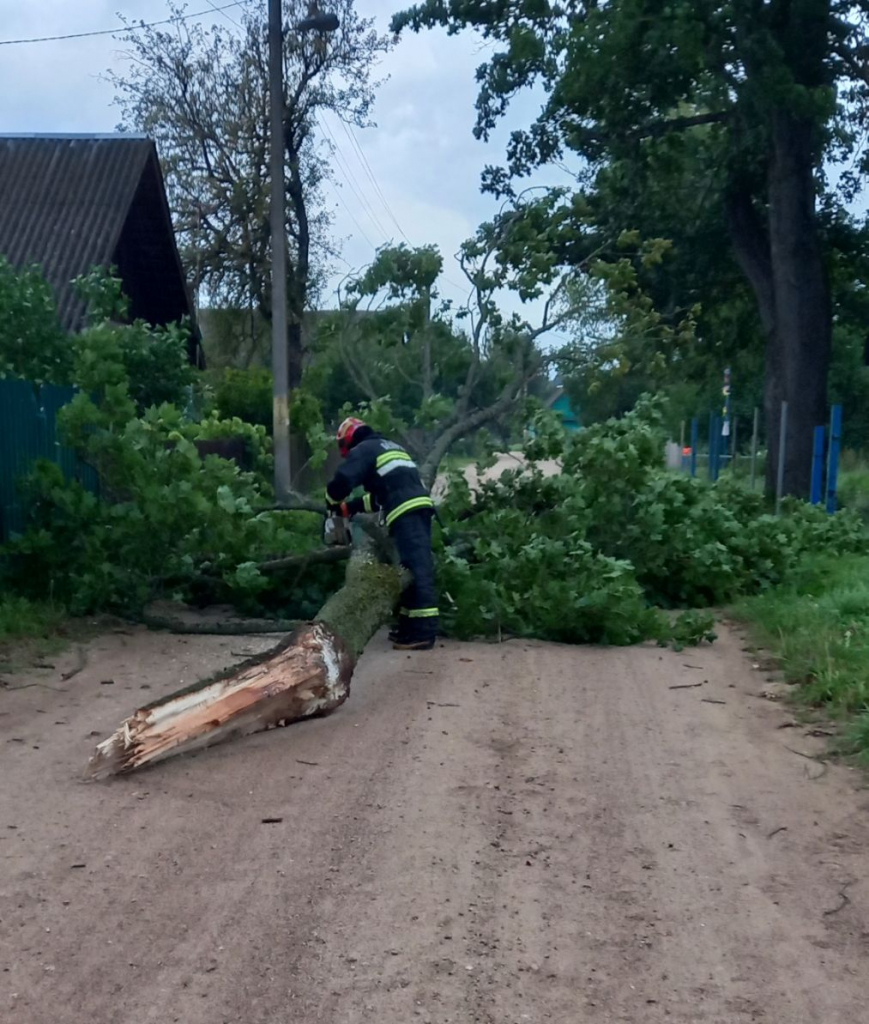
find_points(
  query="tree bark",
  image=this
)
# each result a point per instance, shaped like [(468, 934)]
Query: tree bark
[(308, 673), (782, 261), (751, 248), (798, 352)]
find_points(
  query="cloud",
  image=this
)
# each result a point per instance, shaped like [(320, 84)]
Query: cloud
[(421, 152)]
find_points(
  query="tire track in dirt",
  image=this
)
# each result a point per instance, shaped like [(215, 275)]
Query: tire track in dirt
[(486, 835)]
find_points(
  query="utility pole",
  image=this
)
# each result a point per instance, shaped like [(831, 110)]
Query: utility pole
[(280, 367), (315, 22)]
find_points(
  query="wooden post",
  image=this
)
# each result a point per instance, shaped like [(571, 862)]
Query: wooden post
[(695, 440), (782, 445), (818, 465), (754, 433)]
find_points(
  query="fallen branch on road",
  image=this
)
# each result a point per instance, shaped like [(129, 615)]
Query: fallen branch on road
[(81, 661), (322, 556), (219, 627)]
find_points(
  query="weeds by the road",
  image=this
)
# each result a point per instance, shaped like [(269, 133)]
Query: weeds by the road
[(817, 626), (28, 629), (21, 619), (854, 491)]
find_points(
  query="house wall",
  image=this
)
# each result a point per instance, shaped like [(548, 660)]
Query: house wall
[(569, 419), (27, 433)]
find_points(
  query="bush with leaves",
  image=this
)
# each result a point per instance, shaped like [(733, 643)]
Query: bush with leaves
[(587, 555), (178, 526), (246, 394), (33, 345), (167, 522), (154, 359)]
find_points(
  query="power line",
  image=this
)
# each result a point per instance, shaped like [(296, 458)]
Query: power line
[(351, 181), (353, 218), (350, 178), (366, 166), (229, 17), (351, 135), (370, 173), (123, 28), (351, 214)]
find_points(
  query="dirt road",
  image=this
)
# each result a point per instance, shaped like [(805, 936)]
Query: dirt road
[(488, 834)]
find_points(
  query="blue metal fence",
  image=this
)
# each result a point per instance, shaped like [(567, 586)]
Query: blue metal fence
[(28, 431), (825, 454)]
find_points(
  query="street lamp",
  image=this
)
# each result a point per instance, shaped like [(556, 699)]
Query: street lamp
[(315, 22)]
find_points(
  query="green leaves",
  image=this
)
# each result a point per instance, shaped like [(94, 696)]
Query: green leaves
[(591, 554), (404, 272), (33, 346)]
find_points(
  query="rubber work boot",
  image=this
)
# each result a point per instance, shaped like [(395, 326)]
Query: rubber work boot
[(409, 644)]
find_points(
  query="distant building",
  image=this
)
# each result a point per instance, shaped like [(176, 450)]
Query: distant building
[(72, 202), (559, 402)]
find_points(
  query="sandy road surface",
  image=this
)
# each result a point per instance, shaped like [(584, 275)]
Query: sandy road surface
[(490, 834)]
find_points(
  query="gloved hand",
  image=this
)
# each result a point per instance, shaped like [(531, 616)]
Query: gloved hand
[(337, 508)]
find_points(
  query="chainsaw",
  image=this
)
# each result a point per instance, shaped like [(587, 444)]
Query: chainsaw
[(336, 530)]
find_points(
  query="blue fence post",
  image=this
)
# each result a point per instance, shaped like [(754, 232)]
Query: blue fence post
[(818, 465), (695, 431), (715, 447), (710, 468), (833, 466)]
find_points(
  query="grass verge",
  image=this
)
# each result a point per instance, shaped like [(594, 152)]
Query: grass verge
[(35, 626), (817, 626), (854, 491)]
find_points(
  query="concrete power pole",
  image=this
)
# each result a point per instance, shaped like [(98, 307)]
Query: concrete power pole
[(280, 360), (315, 22)]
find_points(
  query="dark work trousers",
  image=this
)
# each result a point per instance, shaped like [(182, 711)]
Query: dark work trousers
[(418, 618)]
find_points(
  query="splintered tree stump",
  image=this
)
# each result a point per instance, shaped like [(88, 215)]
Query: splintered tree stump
[(306, 674)]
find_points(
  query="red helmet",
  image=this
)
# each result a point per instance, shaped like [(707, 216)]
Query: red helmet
[(346, 433)]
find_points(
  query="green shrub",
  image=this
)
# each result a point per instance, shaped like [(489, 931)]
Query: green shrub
[(586, 554), (33, 345), (854, 492), (167, 522), (246, 395), (22, 619)]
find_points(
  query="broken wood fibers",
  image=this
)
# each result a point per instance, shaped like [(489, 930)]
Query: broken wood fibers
[(307, 674)]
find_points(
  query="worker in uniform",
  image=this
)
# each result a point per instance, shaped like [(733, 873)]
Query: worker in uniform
[(392, 486)]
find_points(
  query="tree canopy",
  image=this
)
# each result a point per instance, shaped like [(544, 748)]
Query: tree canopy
[(754, 99), (203, 94)]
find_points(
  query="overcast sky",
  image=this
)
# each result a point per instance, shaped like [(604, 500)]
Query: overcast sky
[(422, 152)]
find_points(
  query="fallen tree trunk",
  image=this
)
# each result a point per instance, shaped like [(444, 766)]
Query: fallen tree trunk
[(308, 673)]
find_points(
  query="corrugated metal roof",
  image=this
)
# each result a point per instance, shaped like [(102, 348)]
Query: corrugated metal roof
[(64, 201)]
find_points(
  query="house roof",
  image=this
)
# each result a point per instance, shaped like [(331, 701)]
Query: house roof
[(72, 202)]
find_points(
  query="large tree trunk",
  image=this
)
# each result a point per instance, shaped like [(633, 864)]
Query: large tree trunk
[(782, 261), (798, 352), (307, 673)]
